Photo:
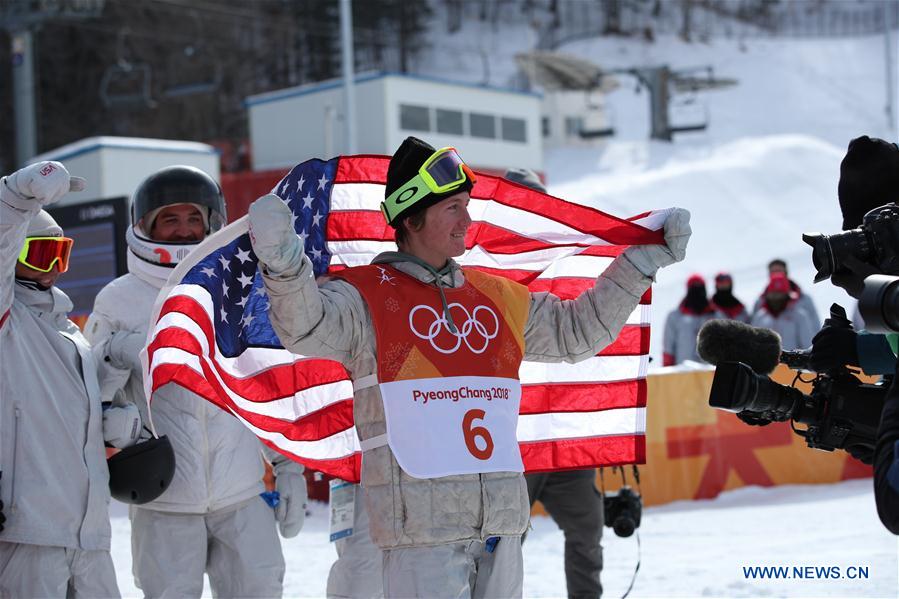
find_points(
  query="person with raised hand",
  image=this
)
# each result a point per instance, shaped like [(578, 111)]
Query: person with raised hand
[(54, 488)]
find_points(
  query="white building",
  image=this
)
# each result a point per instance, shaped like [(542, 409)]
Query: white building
[(114, 166), (492, 128), (575, 118)]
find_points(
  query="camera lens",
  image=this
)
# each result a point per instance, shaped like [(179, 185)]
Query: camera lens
[(822, 254), (736, 388), (624, 526), (829, 252)]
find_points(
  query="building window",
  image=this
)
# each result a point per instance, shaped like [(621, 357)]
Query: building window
[(514, 129), (573, 126), (449, 121), (415, 118), (482, 125), (547, 130)]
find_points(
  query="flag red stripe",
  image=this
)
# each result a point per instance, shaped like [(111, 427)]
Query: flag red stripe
[(358, 225), (633, 340), (547, 398), (186, 377), (189, 307), (346, 468), (581, 453), (363, 168), (175, 337)]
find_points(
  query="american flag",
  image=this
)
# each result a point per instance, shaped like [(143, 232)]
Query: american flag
[(212, 334)]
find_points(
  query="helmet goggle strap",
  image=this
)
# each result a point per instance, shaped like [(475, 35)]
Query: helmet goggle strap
[(43, 253), (443, 171)]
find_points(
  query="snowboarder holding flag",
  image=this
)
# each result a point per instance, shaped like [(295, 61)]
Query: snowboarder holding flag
[(434, 352)]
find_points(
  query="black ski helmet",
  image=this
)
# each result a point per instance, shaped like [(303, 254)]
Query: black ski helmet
[(142, 472), (180, 185)]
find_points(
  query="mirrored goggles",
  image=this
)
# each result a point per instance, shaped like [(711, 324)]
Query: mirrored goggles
[(43, 253), (442, 172)]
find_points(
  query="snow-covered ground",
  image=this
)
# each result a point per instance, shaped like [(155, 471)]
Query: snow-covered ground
[(687, 548)]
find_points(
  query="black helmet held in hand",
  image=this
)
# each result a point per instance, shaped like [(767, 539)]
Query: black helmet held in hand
[(141, 473)]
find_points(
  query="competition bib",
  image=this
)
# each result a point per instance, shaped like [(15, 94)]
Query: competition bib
[(453, 425), (448, 376)]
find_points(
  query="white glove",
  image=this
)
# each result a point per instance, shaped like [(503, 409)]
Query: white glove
[(649, 258), (44, 182), (272, 234), (121, 424), (123, 351), (291, 487)]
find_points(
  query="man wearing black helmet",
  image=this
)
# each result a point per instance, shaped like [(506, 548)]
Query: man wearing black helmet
[(445, 496), (54, 489), (211, 519)]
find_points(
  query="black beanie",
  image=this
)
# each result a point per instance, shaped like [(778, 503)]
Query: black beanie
[(404, 165), (869, 177)]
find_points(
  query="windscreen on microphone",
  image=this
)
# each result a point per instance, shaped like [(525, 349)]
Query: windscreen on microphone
[(723, 340)]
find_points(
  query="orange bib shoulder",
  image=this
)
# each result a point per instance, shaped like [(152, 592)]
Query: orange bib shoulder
[(414, 338)]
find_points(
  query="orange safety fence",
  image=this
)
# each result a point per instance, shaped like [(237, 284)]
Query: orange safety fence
[(694, 451)]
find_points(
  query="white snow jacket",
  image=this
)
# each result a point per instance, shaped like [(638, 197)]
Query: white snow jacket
[(681, 329), (218, 461), (333, 321), (55, 485), (795, 325)]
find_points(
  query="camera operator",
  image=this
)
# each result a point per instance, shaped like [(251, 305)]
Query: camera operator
[(869, 178)]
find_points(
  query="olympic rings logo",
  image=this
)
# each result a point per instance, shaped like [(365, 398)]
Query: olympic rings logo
[(471, 325)]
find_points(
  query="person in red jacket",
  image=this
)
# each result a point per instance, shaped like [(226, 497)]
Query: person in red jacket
[(781, 311), (724, 300), (683, 323)]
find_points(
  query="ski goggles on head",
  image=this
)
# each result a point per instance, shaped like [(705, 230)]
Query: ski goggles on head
[(443, 172), (42, 253)]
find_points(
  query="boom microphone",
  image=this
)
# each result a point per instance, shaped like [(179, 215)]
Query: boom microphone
[(722, 340)]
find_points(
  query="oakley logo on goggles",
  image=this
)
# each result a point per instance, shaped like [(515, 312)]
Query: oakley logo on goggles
[(444, 171), (42, 253)]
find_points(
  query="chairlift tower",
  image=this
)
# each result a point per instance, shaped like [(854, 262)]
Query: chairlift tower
[(20, 18), (656, 81), (659, 80)]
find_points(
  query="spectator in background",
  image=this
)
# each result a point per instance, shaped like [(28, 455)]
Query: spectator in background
[(683, 324), (571, 498), (724, 300), (780, 311), (803, 301)]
